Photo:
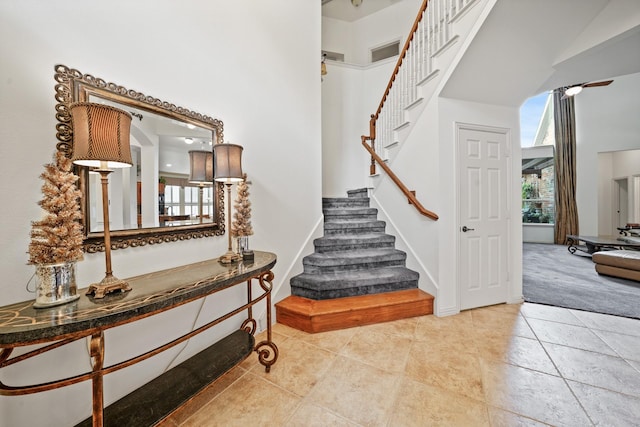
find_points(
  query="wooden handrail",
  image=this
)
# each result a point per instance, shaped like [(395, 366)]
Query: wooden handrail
[(400, 59), (396, 180)]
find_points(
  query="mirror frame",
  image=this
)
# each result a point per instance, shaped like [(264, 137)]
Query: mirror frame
[(74, 86)]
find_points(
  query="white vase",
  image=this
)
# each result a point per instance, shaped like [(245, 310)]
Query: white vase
[(56, 284)]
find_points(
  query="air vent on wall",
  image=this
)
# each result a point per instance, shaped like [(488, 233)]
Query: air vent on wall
[(334, 56), (386, 51)]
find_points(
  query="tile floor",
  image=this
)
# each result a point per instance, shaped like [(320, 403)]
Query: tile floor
[(505, 365)]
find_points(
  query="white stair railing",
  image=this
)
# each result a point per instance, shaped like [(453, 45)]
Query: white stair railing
[(431, 32)]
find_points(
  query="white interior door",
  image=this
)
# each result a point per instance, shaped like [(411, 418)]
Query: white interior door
[(483, 214)]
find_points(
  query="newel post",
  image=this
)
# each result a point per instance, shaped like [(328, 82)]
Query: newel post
[(372, 138)]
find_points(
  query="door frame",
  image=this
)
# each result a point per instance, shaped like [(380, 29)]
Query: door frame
[(510, 273), (616, 203)]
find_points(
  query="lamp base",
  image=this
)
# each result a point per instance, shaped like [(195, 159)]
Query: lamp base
[(109, 284), (229, 258)]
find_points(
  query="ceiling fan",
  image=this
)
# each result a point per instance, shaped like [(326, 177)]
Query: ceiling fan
[(576, 89)]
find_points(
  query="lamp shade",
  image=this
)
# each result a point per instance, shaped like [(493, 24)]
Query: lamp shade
[(201, 167), (100, 134), (228, 163)]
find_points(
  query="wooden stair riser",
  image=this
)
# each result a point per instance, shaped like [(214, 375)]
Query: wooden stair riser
[(321, 316)]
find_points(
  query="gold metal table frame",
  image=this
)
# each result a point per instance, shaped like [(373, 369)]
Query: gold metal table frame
[(153, 293)]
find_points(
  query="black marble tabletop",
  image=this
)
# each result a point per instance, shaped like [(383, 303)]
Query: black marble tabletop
[(22, 324)]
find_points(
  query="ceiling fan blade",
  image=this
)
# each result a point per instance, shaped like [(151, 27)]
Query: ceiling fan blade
[(595, 84)]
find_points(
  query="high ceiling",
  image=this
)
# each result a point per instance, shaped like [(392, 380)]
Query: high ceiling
[(345, 11)]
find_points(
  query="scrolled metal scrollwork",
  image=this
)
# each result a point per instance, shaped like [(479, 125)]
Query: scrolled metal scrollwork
[(266, 281), (249, 326), (267, 354)]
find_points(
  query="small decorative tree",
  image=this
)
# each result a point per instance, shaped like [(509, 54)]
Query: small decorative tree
[(241, 226), (57, 238)]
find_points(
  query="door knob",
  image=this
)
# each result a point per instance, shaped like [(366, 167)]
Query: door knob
[(465, 229)]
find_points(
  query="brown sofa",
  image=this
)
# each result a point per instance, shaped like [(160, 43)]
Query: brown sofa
[(618, 263)]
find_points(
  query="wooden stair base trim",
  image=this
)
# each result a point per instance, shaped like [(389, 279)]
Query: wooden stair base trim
[(329, 315)]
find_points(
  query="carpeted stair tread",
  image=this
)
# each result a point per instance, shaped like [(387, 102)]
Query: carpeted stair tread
[(349, 212), (350, 283), (347, 242), (359, 192), (357, 256), (353, 260), (345, 202)]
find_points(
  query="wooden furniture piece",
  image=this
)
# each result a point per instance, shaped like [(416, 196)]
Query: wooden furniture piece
[(594, 244), (153, 293)]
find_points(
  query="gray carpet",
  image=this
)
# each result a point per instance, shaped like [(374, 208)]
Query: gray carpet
[(553, 276)]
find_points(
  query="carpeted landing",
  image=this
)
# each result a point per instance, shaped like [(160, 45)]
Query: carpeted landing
[(553, 276)]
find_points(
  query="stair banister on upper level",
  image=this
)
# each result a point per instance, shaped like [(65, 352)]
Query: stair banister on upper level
[(410, 195), (401, 57), (374, 117)]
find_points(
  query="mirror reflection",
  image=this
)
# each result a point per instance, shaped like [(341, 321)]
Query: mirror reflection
[(156, 191)]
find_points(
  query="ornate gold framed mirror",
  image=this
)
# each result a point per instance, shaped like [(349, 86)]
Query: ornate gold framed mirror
[(153, 202)]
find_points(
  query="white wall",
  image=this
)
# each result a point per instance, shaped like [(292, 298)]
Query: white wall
[(614, 166), (235, 61), (606, 120), (352, 91)]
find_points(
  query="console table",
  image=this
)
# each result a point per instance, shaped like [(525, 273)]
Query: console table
[(153, 293)]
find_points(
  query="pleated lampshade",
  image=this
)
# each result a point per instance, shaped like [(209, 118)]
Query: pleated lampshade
[(100, 135), (228, 163), (201, 167)]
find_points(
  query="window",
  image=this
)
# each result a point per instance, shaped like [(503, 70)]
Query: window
[(538, 180), (184, 201), (172, 200)]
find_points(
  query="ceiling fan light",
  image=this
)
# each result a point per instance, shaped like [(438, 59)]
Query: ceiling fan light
[(573, 90), (356, 3)]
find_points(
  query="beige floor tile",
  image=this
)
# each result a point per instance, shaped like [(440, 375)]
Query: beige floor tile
[(384, 351), (548, 312), (501, 322), (524, 352), (459, 340), (359, 392), (331, 340), (532, 394), (404, 328), (455, 371), (600, 370), (298, 368), (461, 321), (286, 330), (501, 418), (249, 401), (569, 335), (418, 404), (315, 416), (507, 308), (607, 322), (627, 346), (608, 408)]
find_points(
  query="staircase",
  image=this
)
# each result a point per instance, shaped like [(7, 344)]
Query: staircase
[(356, 275)]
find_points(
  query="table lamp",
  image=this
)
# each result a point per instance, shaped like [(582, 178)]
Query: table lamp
[(228, 169), (200, 172), (101, 141)]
